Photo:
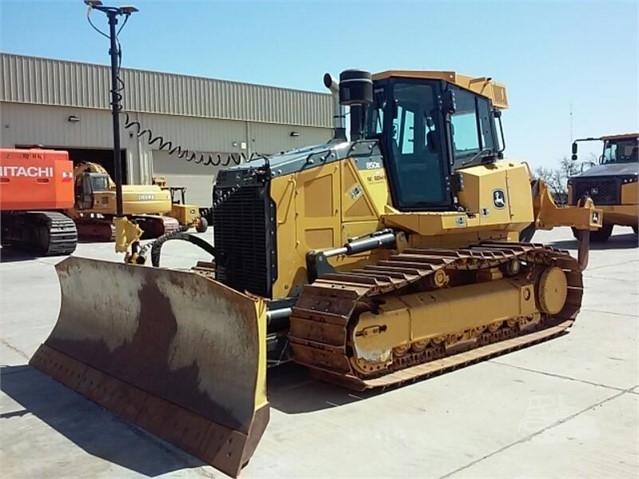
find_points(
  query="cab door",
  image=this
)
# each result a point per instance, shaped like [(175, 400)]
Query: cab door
[(84, 199)]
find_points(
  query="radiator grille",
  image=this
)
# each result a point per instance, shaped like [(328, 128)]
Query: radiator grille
[(244, 239), (603, 191)]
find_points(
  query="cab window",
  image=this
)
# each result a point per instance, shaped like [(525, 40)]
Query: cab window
[(621, 151), (471, 125), (99, 182)]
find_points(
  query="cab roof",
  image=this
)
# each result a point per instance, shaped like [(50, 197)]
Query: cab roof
[(621, 136), (483, 86)]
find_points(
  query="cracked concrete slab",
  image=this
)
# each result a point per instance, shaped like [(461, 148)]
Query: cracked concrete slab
[(573, 448), (601, 348), (477, 409)]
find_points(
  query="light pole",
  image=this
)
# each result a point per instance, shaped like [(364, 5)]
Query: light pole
[(113, 13)]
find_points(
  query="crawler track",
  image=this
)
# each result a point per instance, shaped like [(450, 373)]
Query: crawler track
[(103, 229), (63, 236), (45, 233), (95, 229), (323, 320)]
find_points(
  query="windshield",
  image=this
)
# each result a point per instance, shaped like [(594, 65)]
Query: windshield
[(99, 182), (620, 151), (472, 129)]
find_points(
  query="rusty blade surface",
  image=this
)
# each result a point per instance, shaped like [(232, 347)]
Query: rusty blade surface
[(174, 352)]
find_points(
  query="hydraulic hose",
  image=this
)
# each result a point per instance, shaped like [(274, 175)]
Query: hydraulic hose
[(156, 247)]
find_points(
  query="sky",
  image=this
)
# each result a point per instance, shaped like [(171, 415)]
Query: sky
[(571, 67)]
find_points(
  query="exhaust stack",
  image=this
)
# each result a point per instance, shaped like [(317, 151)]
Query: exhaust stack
[(339, 111), (356, 92)]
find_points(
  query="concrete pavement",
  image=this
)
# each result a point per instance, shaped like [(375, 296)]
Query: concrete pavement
[(564, 408)]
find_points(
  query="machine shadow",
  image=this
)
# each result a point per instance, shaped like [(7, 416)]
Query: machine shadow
[(618, 241), (293, 390), (89, 426), (12, 255)]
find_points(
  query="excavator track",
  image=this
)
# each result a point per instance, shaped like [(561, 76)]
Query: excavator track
[(95, 229), (45, 233), (323, 325), (103, 229)]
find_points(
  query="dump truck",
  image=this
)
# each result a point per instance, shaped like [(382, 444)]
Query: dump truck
[(384, 256), (95, 205), (36, 186), (612, 183)]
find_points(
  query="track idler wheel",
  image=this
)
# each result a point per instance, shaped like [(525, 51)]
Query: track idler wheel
[(552, 290)]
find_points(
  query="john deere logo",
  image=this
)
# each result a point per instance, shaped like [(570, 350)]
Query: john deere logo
[(594, 190), (499, 198)]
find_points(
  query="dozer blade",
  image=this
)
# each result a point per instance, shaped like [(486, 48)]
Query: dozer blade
[(173, 352)]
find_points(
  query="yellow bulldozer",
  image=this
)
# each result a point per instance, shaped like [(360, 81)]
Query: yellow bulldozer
[(375, 259)]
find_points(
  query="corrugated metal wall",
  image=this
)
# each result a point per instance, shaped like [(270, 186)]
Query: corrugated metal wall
[(24, 124), (38, 95), (211, 136), (37, 124), (62, 83), (229, 136), (197, 178), (268, 139), (202, 134)]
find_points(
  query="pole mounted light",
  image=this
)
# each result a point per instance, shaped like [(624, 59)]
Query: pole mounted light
[(112, 14)]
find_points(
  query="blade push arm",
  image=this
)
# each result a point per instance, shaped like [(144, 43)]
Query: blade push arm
[(584, 217)]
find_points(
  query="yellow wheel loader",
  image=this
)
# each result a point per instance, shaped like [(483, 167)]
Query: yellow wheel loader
[(612, 183), (374, 261), (94, 210), (189, 216)]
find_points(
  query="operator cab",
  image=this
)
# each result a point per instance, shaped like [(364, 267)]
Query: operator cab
[(428, 128), (618, 168), (86, 185), (620, 150)]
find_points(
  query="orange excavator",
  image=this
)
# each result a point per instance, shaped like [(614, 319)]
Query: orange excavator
[(36, 186)]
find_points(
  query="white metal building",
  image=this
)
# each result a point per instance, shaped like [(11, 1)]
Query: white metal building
[(66, 105)]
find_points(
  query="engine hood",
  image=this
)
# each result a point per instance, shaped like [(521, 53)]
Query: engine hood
[(305, 158), (612, 169)]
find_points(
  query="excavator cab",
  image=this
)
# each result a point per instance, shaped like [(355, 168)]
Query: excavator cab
[(84, 198), (86, 185)]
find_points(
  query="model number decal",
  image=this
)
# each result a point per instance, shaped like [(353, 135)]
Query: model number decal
[(146, 197), (373, 165)]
